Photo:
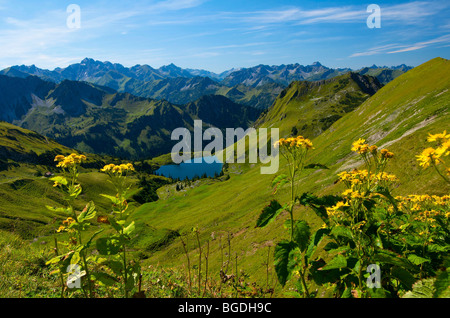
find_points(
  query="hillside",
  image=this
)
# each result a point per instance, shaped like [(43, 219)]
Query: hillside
[(308, 108), (26, 163)]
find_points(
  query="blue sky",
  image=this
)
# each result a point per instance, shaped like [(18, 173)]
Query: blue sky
[(218, 35)]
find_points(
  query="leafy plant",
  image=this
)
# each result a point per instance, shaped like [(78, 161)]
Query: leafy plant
[(292, 257), (114, 246), (75, 251)]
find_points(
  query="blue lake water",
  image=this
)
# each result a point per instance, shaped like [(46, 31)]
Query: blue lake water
[(190, 169)]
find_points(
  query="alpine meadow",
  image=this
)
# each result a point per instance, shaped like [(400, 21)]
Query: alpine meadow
[(356, 203)]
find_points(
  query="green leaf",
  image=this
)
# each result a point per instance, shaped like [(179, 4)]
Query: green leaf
[(129, 229), (339, 261), (74, 191), (347, 293), (442, 284), (54, 260), (75, 258), (281, 260), (59, 179), (316, 166), (422, 289), (403, 276), (113, 199), (278, 179), (316, 238), (417, 260), (341, 231), (88, 212), (301, 234), (116, 225), (319, 205), (115, 266), (269, 213), (394, 259), (278, 182), (108, 245), (104, 278), (56, 210), (89, 242)]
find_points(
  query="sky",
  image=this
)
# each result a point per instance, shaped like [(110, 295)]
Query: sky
[(218, 35)]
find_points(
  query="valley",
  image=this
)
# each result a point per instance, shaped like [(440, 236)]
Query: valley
[(191, 234)]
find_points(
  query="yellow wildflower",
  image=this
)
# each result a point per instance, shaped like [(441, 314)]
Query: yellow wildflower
[(427, 157), (360, 146), (439, 137)]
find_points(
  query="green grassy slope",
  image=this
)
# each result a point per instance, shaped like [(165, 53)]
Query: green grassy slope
[(25, 158), (399, 116), (309, 108)]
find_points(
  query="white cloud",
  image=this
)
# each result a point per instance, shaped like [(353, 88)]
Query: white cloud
[(400, 48), (423, 44), (402, 13)]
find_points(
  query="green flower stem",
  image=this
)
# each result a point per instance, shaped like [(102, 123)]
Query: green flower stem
[(443, 177)]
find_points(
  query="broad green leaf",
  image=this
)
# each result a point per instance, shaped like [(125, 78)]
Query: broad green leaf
[(319, 205), (422, 289), (316, 238), (394, 259), (301, 234), (417, 260), (341, 231), (115, 266), (294, 260), (403, 276), (339, 261), (104, 278), (281, 260), (269, 213), (108, 245)]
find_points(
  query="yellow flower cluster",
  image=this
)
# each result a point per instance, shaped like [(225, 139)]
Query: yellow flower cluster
[(118, 169), (360, 176), (66, 223), (334, 210), (433, 156), (294, 142), (69, 161), (360, 146)]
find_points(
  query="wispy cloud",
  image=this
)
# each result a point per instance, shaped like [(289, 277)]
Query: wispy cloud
[(406, 12), (424, 44), (400, 48)]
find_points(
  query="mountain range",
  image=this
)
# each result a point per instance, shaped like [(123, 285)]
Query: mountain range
[(180, 86), (100, 120)]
